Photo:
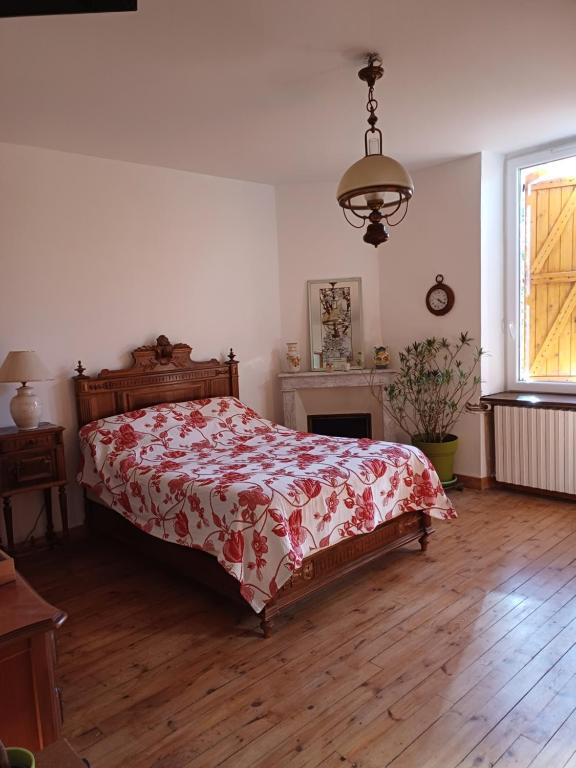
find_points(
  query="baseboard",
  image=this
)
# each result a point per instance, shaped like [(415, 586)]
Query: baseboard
[(487, 483), (535, 491), (477, 483)]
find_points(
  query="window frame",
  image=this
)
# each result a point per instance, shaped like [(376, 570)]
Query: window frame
[(515, 163)]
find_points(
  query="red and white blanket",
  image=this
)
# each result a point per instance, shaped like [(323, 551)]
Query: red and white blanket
[(215, 475)]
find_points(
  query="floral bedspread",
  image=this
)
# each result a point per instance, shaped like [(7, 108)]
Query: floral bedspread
[(213, 474)]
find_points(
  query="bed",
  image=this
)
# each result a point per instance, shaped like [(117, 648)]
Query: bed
[(176, 464)]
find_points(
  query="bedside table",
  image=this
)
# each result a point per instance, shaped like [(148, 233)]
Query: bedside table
[(33, 460)]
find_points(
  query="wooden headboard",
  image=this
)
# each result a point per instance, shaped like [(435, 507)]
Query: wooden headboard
[(160, 373)]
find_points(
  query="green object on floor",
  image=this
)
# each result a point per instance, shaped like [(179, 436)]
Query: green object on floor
[(441, 455), (20, 758), (452, 483)]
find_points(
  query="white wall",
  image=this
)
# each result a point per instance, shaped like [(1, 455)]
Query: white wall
[(314, 243), (440, 235), (492, 285), (101, 256), (492, 288)]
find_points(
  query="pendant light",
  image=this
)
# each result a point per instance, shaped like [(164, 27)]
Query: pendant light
[(377, 188)]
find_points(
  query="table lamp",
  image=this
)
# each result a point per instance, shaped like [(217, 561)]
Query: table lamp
[(25, 406)]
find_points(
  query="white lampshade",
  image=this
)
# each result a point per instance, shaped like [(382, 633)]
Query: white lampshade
[(23, 366), (371, 175)]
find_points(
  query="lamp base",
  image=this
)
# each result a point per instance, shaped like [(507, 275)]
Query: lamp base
[(25, 408)]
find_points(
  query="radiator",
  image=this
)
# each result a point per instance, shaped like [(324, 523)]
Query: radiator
[(536, 447)]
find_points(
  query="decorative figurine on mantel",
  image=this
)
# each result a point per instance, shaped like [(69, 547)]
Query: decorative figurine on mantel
[(293, 357), (381, 357)]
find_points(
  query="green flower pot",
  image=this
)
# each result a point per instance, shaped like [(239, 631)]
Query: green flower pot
[(20, 758), (440, 454)]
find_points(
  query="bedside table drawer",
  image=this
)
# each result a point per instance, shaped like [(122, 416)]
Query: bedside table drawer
[(27, 442), (28, 468)]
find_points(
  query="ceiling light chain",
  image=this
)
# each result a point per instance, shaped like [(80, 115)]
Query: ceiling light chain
[(372, 106), (376, 187), (370, 74)]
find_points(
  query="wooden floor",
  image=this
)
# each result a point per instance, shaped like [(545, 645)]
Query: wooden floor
[(464, 656)]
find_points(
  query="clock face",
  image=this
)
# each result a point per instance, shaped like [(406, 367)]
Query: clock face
[(438, 299)]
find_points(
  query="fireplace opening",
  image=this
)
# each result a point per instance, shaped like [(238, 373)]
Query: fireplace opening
[(341, 424)]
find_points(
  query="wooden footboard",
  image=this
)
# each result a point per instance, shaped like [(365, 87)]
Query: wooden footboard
[(316, 572), (329, 565)]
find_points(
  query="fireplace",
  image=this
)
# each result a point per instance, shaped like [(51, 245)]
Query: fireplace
[(338, 395), (341, 424)]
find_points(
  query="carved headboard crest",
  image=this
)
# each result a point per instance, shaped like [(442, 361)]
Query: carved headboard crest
[(164, 354), (164, 349)]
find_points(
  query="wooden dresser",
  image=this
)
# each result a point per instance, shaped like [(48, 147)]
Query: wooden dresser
[(30, 708)]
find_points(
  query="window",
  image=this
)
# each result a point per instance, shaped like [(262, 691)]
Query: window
[(541, 270)]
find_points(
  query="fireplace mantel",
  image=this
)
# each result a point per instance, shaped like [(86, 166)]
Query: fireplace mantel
[(291, 383), (356, 377)]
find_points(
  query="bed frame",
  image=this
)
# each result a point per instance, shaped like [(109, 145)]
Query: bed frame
[(165, 372)]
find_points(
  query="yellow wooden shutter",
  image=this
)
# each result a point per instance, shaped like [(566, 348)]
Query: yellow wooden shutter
[(551, 278)]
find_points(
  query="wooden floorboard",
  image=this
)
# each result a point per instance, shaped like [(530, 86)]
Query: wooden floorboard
[(463, 657)]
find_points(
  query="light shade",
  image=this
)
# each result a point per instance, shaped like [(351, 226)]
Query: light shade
[(23, 366), (371, 175)]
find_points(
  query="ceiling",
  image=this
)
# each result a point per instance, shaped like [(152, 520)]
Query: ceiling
[(267, 90)]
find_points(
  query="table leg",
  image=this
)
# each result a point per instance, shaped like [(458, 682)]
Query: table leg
[(7, 504), (49, 520), (62, 498)]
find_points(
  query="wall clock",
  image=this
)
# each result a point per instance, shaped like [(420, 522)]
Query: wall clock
[(440, 298)]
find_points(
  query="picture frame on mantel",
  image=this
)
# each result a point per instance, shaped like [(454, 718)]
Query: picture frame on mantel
[(335, 317)]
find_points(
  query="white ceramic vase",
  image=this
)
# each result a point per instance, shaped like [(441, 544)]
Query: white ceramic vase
[(25, 408), (293, 357)]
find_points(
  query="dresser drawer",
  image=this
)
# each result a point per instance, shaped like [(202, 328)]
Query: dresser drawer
[(25, 442), (28, 468)]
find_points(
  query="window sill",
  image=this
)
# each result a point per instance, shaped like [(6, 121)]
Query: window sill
[(533, 399)]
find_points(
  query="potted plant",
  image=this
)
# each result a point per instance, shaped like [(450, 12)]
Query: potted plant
[(435, 380), (16, 757)]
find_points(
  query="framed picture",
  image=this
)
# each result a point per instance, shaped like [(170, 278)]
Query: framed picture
[(335, 312)]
